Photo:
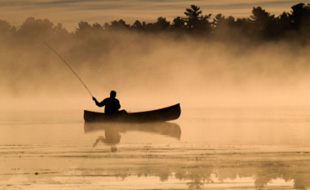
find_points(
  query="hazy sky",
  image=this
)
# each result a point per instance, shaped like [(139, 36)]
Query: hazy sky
[(70, 12)]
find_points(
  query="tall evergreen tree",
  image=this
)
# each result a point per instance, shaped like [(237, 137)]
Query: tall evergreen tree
[(196, 22)]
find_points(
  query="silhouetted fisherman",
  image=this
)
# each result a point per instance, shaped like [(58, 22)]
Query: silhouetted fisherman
[(111, 104)]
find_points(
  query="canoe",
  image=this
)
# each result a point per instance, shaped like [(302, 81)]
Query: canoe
[(158, 115)]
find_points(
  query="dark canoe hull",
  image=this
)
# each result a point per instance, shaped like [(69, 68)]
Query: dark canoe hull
[(159, 115)]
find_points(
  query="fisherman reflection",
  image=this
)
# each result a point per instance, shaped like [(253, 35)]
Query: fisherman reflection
[(112, 138)]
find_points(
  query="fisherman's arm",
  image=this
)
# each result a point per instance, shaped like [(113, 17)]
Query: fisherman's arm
[(99, 104)]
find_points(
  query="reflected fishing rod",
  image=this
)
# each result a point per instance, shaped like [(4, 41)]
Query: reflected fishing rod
[(69, 68)]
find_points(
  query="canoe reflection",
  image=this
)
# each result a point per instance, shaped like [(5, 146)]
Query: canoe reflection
[(112, 131)]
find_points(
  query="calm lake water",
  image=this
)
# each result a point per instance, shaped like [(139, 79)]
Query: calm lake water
[(207, 148)]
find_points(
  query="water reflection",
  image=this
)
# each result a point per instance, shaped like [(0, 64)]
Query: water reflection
[(202, 167), (219, 150), (111, 139), (113, 131), (220, 171)]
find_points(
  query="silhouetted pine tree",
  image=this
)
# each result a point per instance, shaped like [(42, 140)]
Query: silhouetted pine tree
[(196, 22)]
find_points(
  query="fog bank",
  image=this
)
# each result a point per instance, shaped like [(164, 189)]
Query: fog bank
[(151, 71)]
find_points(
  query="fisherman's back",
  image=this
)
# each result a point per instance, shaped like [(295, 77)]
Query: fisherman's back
[(111, 105)]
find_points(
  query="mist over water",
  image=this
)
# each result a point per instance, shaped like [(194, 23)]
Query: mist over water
[(260, 60), (148, 69)]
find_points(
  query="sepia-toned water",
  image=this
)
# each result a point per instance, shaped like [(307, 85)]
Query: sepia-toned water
[(206, 148)]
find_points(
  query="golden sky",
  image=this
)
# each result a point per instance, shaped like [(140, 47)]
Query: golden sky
[(71, 12)]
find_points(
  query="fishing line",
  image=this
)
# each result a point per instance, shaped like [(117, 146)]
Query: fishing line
[(69, 68)]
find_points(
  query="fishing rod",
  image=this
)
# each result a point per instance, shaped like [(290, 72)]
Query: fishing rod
[(69, 68)]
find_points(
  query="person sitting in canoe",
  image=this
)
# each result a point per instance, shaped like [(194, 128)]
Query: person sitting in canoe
[(111, 104)]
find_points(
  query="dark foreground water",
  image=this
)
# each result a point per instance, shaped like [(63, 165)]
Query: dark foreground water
[(207, 148)]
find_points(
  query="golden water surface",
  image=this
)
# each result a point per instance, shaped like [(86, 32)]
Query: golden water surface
[(206, 148)]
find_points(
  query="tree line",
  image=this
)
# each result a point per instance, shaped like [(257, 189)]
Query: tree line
[(260, 26)]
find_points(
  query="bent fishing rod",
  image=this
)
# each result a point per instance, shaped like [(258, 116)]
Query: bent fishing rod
[(63, 60)]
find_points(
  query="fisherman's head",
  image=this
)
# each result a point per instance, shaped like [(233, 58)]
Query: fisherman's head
[(112, 94)]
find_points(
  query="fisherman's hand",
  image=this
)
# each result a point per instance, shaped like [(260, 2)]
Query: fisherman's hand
[(94, 99)]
